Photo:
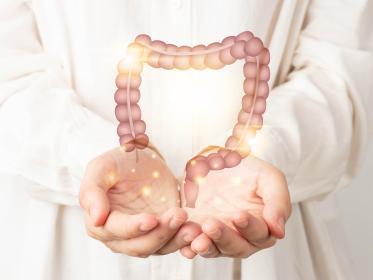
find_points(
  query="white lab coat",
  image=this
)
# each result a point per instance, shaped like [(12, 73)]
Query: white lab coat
[(57, 69)]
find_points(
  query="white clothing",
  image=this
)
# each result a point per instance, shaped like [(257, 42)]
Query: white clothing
[(57, 70)]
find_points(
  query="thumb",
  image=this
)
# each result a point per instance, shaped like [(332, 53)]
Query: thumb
[(189, 193), (100, 176), (94, 200), (273, 189), (275, 220)]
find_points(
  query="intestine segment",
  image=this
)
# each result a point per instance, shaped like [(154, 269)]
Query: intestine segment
[(158, 54)]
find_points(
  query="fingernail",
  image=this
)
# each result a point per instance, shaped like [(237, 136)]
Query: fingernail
[(175, 223), (243, 223), (147, 226)]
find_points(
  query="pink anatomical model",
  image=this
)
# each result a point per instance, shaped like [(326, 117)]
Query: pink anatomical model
[(158, 54)]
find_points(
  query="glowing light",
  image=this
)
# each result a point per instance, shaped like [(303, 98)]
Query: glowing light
[(134, 50), (193, 162), (155, 174), (129, 60), (163, 199), (218, 200), (127, 63), (199, 180), (252, 142), (133, 170), (111, 178), (216, 165), (154, 156), (124, 148), (236, 181), (146, 191)]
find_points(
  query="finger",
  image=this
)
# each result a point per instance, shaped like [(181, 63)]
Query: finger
[(149, 243), (124, 226), (253, 229), (204, 247), (186, 234), (228, 241), (120, 226), (96, 232), (272, 188), (188, 252), (100, 175), (189, 193), (94, 200)]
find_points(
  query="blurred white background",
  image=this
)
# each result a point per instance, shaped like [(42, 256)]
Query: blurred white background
[(356, 207)]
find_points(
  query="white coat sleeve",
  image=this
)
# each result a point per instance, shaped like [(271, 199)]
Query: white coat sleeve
[(46, 135), (318, 121)]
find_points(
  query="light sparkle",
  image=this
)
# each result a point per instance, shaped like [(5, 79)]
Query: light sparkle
[(155, 174), (218, 200), (199, 180), (252, 142), (146, 191), (111, 178), (236, 181)]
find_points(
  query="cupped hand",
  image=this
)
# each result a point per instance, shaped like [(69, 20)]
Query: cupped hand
[(241, 210), (132, 204)]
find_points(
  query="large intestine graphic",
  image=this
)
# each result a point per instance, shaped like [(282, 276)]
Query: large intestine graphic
[(157, 54)]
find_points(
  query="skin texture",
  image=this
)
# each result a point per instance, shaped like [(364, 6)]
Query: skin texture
[(129, 220), (132, 209), (241, 210)]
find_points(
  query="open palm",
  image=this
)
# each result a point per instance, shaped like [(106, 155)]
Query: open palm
[(143, 183), (224, 192), (131, 201), (253, 194)]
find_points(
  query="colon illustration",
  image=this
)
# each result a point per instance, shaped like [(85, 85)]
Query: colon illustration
[(158, 54)]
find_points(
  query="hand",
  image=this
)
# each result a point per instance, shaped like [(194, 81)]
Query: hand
[(241, 210), (131, 203)]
